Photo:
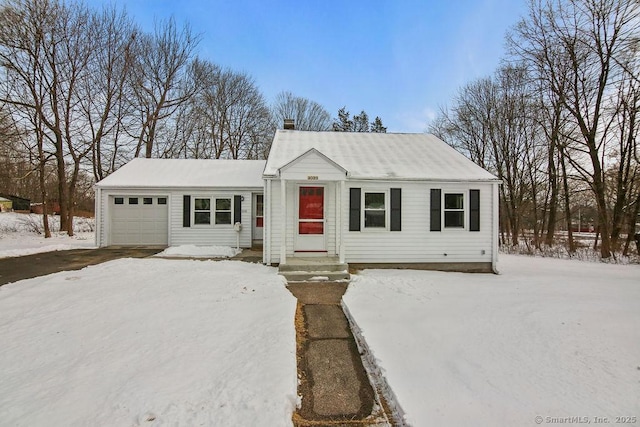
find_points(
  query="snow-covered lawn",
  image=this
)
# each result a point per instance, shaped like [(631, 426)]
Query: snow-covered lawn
[(20, 235), (547, 337), (148, 342), (182, 342)]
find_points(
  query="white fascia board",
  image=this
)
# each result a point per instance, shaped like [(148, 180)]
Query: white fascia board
[(183, 189), (308, 153), (443, 181)]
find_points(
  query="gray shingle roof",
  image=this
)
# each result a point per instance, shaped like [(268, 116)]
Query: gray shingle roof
[(399, 156)]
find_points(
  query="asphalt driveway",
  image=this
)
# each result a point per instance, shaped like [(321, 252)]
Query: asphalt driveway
[(29, 266)]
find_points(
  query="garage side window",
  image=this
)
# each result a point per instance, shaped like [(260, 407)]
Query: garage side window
[(201, 211), (223, 211)]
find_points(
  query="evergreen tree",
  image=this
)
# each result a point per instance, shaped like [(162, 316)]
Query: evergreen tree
[(359, 123), (343, 123), (377, 127)]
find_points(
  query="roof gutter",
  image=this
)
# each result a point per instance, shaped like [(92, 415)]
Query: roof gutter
[(356, 178)]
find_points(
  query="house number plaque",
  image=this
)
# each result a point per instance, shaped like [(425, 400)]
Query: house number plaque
[(312, 177)]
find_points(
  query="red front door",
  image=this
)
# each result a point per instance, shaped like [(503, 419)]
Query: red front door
[(310, 233)]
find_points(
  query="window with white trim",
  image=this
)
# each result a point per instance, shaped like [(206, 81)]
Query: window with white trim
[(375, 209), (454, 210), (223, 211), (201, 211)]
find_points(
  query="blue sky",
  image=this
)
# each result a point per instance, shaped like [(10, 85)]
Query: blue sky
[(398, 59)]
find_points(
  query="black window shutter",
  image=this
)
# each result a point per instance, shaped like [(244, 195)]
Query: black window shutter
[(474, 212), (396, 209), (354, 209), (237, 209), (436, 197), (186, 211)]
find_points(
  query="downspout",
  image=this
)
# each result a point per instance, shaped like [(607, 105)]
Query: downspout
[(266, 214), (283, 230), (341, 253), (494, 231), (98, 227)]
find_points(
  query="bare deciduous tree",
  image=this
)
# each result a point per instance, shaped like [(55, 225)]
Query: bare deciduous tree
[(44, 50), (106, 91), (307, 114), (579, 46), (160, 79)]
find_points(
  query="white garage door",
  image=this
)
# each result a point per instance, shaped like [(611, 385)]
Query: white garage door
[(139, 220)]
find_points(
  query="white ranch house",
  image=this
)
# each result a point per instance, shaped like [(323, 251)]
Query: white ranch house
[(367, 199)]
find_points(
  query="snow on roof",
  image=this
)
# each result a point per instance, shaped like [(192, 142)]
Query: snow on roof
[(378, 155), (198, 173)]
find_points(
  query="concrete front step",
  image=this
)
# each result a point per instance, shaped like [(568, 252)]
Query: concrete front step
[(310, 266), (315, 276), (316, 269)]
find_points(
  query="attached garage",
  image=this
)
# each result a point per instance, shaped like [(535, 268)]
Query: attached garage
[(137, 220), (173, 202)]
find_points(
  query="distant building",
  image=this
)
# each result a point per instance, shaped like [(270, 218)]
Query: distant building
[(53, 207), (17, 203)]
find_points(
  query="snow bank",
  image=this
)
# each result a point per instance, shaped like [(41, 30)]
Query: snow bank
[(21, 234), (193, 251), (12, 222), (547, 337), (149, 342)]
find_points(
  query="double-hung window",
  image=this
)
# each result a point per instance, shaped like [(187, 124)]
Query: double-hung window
[(454, 210), (375, 210), (201, 211), (223, 211)]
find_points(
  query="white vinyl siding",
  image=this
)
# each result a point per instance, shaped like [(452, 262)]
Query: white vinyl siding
[(202, 235), (415, 243), (210, 234), (312, 166)]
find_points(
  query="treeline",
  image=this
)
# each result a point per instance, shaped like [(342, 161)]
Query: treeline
[(558, 123), (83, 91)]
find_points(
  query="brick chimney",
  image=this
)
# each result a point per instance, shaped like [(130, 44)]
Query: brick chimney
[(289, 124)]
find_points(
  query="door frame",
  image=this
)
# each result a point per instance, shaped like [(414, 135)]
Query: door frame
[(254, 217), (299, 239)]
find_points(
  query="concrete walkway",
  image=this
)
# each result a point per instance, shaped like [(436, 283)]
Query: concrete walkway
[(334, 385)]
